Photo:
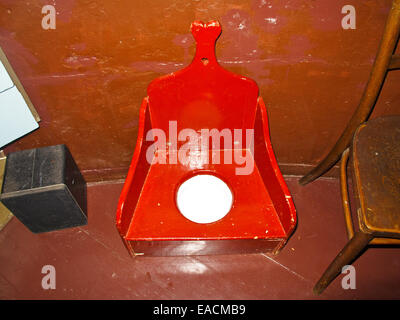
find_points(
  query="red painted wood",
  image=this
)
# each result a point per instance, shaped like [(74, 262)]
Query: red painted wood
[(204, 96)]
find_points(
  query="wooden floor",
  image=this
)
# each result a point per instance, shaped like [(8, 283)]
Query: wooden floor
[(92, 263)]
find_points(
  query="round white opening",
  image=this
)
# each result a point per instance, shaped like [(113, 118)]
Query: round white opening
[(204, 199)]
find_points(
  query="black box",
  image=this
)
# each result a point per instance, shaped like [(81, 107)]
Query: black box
[(44, 189)]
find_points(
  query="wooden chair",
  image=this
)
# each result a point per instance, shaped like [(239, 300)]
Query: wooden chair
[(375, 163), (375, 159), (384, 61)]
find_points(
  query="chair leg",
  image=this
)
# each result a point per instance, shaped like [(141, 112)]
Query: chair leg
[(345, 257)]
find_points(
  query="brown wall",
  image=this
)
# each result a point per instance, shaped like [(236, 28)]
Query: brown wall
[(88, 77)]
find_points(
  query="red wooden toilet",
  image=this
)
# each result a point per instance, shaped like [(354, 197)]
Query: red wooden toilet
[(204, 178)]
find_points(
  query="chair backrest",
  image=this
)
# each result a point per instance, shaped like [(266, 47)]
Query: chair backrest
[(203, 95)]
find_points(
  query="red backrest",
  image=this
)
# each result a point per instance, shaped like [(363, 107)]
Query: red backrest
[(203, 95)]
